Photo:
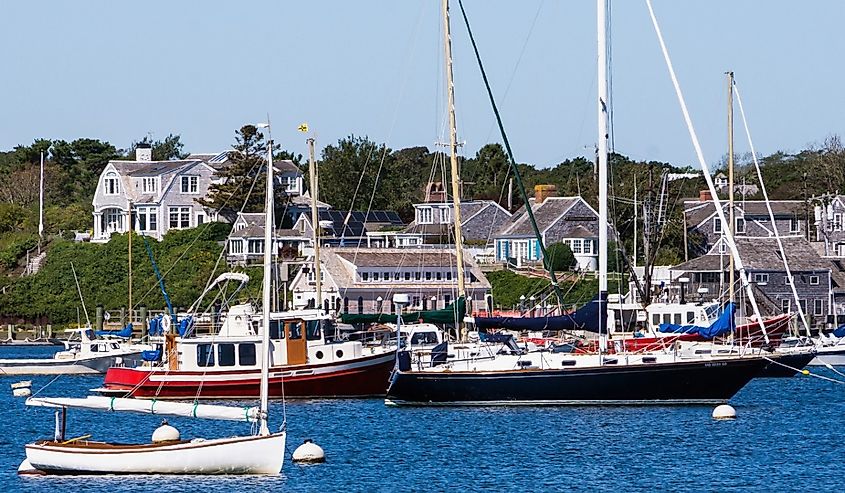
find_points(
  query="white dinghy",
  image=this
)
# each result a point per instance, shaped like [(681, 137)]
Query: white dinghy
[(259, 453)]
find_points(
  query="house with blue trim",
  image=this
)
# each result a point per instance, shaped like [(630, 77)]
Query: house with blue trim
[(569, 220)]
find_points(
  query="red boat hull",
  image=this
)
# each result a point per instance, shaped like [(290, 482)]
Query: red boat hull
[(356, 378)]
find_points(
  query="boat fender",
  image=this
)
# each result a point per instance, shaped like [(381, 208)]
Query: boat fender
[(165, 433), (309, 453)]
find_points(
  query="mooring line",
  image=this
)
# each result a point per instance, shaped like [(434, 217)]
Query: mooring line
[(804, 372)]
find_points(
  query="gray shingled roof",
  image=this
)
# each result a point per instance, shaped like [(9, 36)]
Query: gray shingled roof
[(398, 257), (762, 254), (697, 211), (545, 215)]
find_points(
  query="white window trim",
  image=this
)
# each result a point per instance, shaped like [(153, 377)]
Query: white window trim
[(739, 220), (816, 278), (717, 225), (111, 176), (188, 179), (818, 306), (761, 278)]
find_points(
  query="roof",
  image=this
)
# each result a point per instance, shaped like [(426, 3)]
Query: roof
[(581, 232), (151, 168), (286, 166), (545, 214), (353, 224), (398, 257), (762, 254), (698, 211)]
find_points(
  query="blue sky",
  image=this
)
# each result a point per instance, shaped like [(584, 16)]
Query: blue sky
[(121, 70)]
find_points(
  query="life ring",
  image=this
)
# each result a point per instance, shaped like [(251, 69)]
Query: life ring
[(165, 324)]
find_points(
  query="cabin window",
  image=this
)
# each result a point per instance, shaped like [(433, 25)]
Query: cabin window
[(814, 280), (677, 319), (277, 329), (294, 330), (690, 317), (655, 319), (190, 184), (94, 348), (313, 331), (205, 355), (226, 354), (761, 278), (717, 225), (246, 354), (818, 307)]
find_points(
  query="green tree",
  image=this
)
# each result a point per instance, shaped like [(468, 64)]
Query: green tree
[(243, 180), (171, 148), (80, 164), (353, 172), (559, 257)]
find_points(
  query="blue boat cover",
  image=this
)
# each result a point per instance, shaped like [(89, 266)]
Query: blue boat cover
[(151, 355), (125, 332), (725, 324), (186, 325), (840, 331), (155, 328), (590, 317)]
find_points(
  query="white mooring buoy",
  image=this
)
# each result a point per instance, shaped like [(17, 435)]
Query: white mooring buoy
[(309, 452), (165, 433), (724, 411)]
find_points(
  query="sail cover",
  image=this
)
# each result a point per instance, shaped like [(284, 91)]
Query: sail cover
[(188, 410), (725, 324), (589, 317), (453, 313)]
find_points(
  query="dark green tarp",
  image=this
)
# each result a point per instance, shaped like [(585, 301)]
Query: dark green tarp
[(453, 313)]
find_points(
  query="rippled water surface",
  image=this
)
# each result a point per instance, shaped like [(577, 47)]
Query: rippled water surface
[(790, 436)]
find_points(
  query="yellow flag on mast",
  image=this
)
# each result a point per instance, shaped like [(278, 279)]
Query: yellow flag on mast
[(303, 127)]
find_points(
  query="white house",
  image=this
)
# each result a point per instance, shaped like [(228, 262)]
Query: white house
[(161, 195)]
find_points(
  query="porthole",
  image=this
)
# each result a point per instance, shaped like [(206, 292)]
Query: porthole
[(319, 354), (339, 353)]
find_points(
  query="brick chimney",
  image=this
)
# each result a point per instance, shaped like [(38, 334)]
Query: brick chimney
[(143, 152), (705, 196), (434, 192), (542, 192)]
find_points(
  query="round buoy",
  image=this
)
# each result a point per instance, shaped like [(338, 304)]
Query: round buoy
[(23, 392), (724, 411), (309, 452), (165, 433)]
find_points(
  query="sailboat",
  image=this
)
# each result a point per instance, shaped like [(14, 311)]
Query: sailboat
[(260, 453), (516, 377)]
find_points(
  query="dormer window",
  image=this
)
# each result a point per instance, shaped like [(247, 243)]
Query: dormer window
[(445, 215), (149, 184), (425, 215), (111, 184), (190, 184)]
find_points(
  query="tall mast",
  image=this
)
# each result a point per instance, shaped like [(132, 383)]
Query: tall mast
[(265, 291), (601, 9), (41, 204), (130, 260), (732, 223), (453, 154), (315, 221)]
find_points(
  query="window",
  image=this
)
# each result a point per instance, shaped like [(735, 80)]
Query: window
[(205, 355), (246, 354), (294, 330), (439, 276), (717, 225), (785, 306), (837, 221), (236, 247), (375, 276), (190, 184), (794, 225), (365, 276), (146, 218), (814, 280), (723, 247), (425, 215), (449, 276), (312, 330), (445, 216), (576, 246), (428, 276), (395, 276), (761, 278), (179, 217), (226, 354), (255, 246), (740, 225), (289, 183), (417, 276), (200, 218), (407, 276), (385, 276), (277, 329), (588, 246), (818, 307), (149, 184), (111, 184), (803, 304)]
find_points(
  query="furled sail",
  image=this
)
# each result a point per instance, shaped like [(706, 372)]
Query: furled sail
[(588, 318), (189, 410), (722, 325)]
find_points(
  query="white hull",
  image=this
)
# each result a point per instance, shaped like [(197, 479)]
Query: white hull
[(834, 356), (236, 455), (69, 366)]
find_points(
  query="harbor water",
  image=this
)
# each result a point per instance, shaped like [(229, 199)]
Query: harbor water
[(789, 436)]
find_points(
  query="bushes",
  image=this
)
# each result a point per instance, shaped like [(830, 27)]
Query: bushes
[(15, 247), (559, 257)]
